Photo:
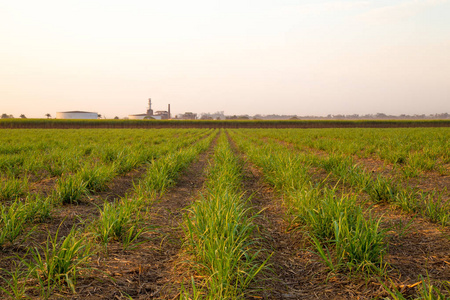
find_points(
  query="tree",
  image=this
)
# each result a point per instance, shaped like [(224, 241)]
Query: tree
[(5, 116), (48, 116), (116, 118), (99, 116), (22, 116)]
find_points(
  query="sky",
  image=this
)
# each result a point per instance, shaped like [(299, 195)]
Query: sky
[(237, 56)]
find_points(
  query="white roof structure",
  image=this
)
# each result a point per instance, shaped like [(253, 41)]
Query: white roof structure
[(76, 114)]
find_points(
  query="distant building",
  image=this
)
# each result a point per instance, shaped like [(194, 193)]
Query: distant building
[(144, 117), (76, 115), (159, 115), (187, 116), (219, 115), (162, 114)]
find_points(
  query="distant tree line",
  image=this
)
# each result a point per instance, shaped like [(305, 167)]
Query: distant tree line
[(22, 116), (221, 116), (378, 116), (6, 116), (381, 116)]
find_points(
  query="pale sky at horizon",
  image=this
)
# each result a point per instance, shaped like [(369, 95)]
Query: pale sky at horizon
[(240, 57)]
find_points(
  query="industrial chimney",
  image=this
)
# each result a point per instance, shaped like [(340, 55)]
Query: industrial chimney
[(168, 110), (150, 110)]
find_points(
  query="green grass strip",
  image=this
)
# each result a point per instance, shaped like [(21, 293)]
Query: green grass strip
[(219, 231)]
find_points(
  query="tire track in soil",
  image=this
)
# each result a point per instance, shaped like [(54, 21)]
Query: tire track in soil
[(150, 271)]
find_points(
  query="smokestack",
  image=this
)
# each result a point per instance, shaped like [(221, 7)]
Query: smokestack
[(149, 110), (168, 110)]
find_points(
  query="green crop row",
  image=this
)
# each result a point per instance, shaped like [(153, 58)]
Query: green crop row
[(219, 231)]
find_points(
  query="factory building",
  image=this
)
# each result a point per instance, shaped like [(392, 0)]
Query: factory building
[(187, 116), (143, 117), (76, 115), (158, 115)]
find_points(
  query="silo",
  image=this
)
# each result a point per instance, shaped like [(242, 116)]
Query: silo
[(76, 115)]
